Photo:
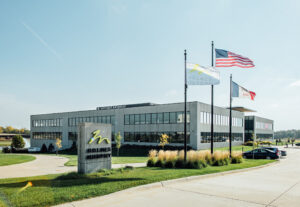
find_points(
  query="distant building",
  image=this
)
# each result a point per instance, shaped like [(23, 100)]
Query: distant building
[(143, 124), (261, 128)]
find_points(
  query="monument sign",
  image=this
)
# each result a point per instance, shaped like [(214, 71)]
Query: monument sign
[(94, 147)]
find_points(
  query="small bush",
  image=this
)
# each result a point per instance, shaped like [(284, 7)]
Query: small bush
[(51, 148), (159, 163), (6, 150), (44, 148), (250, 143), (18, 141), (151, 163), (265, 143), (236, 157)]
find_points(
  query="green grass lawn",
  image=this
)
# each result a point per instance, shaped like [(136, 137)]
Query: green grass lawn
[(54, 189), (115, 160), (10, 159), (237, 148), (5, 143)]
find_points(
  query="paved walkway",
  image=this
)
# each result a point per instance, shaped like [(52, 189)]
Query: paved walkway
[(277, 185), (43, 165)]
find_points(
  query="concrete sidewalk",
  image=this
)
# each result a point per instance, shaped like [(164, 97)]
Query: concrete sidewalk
[(44, 165), (275, 185)]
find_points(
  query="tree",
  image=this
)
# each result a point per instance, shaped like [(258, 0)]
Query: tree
[(58, 145), (164, 140), (118, 139), (1, 129), (9, 129), (18, 141)]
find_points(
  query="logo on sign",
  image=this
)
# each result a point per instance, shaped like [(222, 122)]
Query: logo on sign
[(96, 135)]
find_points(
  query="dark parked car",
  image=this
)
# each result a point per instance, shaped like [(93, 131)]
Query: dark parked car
[(275, 149), (262, 153)]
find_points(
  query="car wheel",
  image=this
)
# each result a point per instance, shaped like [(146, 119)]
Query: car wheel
[(268, 157), (244, 157)]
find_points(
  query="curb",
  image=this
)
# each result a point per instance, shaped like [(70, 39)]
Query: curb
[(162, 184)]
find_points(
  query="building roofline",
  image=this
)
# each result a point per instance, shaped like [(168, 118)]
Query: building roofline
[(149, 104)]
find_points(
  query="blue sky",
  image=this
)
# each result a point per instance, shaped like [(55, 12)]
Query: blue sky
[(68, 55)]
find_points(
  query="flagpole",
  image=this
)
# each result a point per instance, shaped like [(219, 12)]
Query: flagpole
[(212, 104), (185, 97), (230, 116)]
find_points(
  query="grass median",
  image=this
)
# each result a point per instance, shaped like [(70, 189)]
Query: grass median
[(55, 189), (11, 159)]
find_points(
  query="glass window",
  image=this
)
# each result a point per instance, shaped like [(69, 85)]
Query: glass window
[(112, 120), (104, 119), (137, 119), (172, 117), (126, 119), (179, 117), (108, 120), (166, 118), (142, 118), (148, 118), (160, 118), (188, 117), (131, 119), (153, 118)]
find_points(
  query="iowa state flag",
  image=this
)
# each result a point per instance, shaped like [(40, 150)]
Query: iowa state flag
[(240, 92)]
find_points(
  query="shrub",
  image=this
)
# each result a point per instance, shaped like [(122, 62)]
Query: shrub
[(6, 150), (150, 163), (51, 148), (18, 141), (250, 143), (44, 148), (236, 157), (220, 158), (265, 143)]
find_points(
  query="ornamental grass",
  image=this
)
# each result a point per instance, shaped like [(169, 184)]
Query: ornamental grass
[(151, 158), (220, 158), (195, 159), (160, 158), (236, 157)]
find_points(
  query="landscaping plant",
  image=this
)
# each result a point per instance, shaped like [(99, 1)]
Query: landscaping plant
[(236, 157), (58, 145), (163, 140), (118, 139), (151, 158), (17, 141), (220, 158)]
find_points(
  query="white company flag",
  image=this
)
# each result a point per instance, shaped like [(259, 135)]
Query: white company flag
[(200, 75)]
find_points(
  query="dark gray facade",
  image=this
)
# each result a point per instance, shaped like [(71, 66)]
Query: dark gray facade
[(261, 128), (143, 124)]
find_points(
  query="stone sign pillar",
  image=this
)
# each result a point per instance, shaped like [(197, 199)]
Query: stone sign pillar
[(94, 147)]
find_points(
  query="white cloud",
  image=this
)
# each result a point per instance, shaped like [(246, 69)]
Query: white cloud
[(295, 84)]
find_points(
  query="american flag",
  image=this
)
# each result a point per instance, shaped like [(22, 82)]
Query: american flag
[(229, 59)]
